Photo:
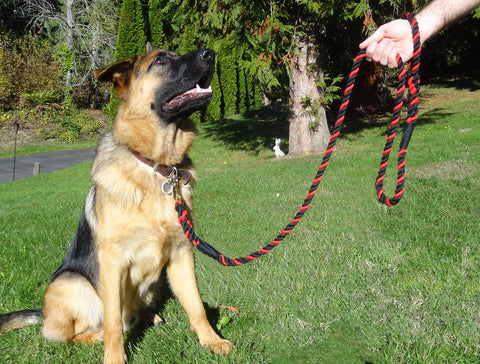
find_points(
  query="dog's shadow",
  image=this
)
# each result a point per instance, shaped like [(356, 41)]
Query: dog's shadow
[(163, 294)]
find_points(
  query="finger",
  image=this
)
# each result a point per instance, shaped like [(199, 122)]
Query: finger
[(392, 60), (371, 50), (388, 55)]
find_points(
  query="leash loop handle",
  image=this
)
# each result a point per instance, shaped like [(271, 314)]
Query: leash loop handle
[(410, 80), (408, 77)]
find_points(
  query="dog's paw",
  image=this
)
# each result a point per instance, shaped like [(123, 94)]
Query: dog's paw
[(157, 320), (119, 359), (221, 346)]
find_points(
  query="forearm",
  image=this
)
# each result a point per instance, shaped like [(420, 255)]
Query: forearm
[(439, 13)]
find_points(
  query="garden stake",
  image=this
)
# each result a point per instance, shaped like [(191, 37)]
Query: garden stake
[(413, 84)]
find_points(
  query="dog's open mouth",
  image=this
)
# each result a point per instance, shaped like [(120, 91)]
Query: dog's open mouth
[(196, 95)]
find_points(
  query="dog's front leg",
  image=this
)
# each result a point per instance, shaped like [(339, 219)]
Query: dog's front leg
[(110, 292), (181, 275)]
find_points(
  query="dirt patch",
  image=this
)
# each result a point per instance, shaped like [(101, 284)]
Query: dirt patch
[(24, 137)]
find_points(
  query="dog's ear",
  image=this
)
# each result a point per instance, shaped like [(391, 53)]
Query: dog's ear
[(118, 73), (149, 47)]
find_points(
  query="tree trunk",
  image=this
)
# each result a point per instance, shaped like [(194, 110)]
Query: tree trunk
[(70, 40), (308, 131)]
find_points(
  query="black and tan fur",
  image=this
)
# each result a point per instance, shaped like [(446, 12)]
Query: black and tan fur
[(128, 231)]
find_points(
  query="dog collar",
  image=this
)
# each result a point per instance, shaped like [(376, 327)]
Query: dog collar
[(164, 169)]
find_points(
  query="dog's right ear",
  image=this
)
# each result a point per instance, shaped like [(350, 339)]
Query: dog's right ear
[(149, 47), (118, 73)]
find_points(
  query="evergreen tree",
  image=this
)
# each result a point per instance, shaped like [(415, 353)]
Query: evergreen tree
[(130, 41), (187, 45), (228, 79), (242, 99), (188, 42), (242, 90), (214, 111), (131, 37), (156, 16)]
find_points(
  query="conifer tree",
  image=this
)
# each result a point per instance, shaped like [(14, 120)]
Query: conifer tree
[(242, 90), (156, 16), (131, 37), (228, 79), (188, 41), (213, 111), (187, 45), (130, 41)]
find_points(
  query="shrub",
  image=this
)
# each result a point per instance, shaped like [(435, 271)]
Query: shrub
[(52, 122), (29, 72), (130, 41)]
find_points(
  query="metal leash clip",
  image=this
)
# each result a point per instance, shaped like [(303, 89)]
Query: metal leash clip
[(171, 183)]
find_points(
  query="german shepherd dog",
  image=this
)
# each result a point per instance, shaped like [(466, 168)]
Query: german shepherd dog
[(129, 231)]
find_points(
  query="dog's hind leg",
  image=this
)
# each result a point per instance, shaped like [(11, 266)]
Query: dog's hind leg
[(181, 275), (72, 310)]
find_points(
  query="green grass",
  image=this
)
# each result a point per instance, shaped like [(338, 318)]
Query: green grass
[(356, 282)]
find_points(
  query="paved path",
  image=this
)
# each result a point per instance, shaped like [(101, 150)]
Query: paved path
[(49, 162)]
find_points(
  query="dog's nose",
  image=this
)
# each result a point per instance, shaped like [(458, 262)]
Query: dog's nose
[(206, 55)]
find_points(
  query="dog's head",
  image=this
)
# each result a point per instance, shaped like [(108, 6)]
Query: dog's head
[(175, 86)]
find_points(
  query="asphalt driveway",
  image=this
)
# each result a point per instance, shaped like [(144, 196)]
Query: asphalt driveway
[(49, 162)]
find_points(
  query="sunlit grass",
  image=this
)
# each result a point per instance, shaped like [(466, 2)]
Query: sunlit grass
[(355, 282)]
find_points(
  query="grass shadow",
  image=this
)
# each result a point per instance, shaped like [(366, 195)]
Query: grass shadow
[(163, 294), (359, 121), (252, 131), (256, 130), (457, 81)]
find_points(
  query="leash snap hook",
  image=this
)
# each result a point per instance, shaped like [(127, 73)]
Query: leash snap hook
[(170, 185)]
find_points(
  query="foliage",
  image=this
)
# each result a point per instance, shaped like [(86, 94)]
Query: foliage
[(214, 111), (131, 37), (82, 30), (187, 45), (29, 71), (155, 17), (227, 71), (259, 36), (130, 41), (53, 121)]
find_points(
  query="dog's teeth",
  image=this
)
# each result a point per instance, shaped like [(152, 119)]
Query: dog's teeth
[(199, 89)]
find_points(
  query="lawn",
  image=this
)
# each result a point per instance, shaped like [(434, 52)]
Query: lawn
[(355, 282)]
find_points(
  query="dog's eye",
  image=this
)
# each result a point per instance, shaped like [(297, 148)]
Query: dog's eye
[(160, 60)]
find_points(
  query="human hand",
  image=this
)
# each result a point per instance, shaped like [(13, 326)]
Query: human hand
[(388, 40)]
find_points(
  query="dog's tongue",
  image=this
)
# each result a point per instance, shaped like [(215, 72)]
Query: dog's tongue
[(187, 96)]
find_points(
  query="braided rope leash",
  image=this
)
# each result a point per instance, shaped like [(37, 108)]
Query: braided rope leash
[(412, 80), (413, 83)]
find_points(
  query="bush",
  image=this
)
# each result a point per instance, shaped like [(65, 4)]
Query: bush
[(53, 122), (30, 73), (35, 98), (74, 124)]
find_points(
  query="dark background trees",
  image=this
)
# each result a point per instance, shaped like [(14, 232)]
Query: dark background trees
[(293, 52)]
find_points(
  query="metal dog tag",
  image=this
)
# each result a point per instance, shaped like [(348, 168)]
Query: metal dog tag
[(167, 186)]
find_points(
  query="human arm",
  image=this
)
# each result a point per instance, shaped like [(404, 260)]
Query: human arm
[(396, 36)]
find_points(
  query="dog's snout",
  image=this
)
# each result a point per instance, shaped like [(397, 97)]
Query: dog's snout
[(206, 55)]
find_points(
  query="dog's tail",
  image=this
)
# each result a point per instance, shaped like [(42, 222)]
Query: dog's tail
[(18, 319)]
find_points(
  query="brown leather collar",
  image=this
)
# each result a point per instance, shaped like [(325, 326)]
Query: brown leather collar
[(163, 169)]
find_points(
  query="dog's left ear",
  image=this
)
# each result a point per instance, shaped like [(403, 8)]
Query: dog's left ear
[(118, 73)]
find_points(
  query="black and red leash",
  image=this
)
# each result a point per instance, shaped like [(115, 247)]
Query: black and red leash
[(413, 83), (408, 78)]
